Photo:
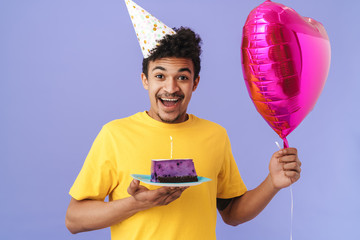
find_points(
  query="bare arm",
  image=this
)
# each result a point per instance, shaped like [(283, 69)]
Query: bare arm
[(87, 215), (284, 170)]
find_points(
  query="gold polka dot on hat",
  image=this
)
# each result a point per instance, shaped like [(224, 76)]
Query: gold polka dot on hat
[(148, 31)]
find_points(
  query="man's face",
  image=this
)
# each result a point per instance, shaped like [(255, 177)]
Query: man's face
[(170, 84)]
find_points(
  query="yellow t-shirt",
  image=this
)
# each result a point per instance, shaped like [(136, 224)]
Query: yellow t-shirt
[(126, 146)]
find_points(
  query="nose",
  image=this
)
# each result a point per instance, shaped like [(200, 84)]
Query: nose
[(171, 85)]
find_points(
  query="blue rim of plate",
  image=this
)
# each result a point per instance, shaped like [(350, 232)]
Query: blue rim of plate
[(146, 179)]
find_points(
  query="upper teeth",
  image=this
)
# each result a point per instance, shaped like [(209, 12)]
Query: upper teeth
[(169, 99)]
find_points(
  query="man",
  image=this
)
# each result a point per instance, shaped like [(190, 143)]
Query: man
[(126, 146)]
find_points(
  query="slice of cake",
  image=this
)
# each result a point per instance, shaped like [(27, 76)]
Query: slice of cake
[(173, 171)]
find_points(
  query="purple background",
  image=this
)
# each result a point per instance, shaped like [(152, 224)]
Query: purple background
[(68, 67)]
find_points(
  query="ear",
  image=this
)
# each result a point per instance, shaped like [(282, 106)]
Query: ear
[(144, 81), (196, 83)]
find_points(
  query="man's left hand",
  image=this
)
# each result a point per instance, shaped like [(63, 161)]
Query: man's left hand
[(284, 167)]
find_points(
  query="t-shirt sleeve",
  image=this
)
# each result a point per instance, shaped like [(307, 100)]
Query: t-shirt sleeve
[(98, 176), (230, 183)]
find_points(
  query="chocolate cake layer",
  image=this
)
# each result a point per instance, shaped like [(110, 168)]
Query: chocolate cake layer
[(177, 179)]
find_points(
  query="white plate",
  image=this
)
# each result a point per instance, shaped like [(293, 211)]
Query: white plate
[(146, 179)]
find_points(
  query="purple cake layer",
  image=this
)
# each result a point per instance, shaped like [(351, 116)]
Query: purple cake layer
[(174, 170)]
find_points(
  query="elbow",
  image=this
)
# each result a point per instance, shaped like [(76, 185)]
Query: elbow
[(231, 223), (235, 221), (73, 221), (229, 220), (70, 226)]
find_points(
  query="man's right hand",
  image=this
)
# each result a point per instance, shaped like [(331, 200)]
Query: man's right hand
[(152, 198)]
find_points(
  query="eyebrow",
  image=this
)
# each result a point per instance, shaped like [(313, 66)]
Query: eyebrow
[(158, 67), (180, 70), (184, 70)]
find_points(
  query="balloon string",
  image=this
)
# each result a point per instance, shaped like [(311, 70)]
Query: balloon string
[(286, 145), (292, 212)]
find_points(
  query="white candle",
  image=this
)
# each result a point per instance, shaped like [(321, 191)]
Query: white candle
[(171, 148)]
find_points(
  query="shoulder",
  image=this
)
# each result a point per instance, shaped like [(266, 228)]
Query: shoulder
[(209, 125), (121, 123)]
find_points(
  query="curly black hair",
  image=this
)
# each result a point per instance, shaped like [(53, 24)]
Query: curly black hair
[(185, 43)]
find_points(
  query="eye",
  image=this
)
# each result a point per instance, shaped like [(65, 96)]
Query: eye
[(183, 77), (160, 76)]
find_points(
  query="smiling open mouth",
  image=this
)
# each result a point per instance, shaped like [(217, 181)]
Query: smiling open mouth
[(169, 102)]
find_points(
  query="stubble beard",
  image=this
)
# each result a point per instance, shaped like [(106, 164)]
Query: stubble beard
[(169, 120), (181, 97)]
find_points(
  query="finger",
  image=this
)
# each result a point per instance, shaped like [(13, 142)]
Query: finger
[(278, 154), (294, 176), (183, 188), (134, 185), (172, 196), (285, 151), (174, 189), (292, 167), (290, 151), (299, 162), (288, 159), (164, 191), (169, 194), (165, 195)]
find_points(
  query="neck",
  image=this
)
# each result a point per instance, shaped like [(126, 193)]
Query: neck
[(179, 119)]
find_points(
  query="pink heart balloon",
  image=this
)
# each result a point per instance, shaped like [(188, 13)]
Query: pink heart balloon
[(285, 60)]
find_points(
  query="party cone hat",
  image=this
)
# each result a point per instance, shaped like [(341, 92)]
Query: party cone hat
[(149, 30)]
